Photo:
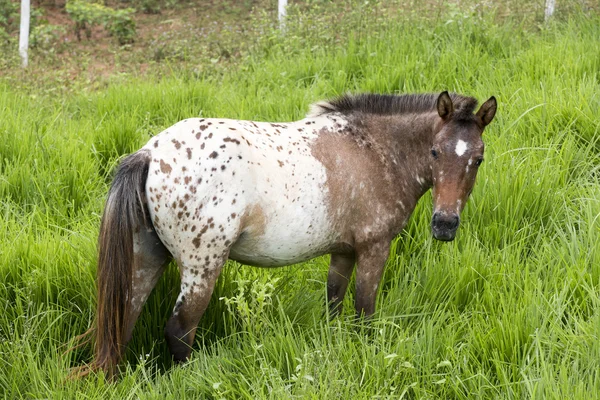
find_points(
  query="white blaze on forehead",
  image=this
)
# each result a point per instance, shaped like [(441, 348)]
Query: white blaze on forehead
[(461, 147)]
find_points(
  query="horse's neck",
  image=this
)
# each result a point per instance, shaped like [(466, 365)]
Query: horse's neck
[(406, 140)]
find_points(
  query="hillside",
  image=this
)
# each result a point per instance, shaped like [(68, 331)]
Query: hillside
[(510, 309)]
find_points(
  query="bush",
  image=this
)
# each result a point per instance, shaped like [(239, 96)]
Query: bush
[(8, 19), (45, 37), (8, 15), (117, 22), (150, 6), (153, 6), (121, 25)]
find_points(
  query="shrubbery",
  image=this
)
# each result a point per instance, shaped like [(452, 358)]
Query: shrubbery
[(119, 23), (45, 36), (8, 19)]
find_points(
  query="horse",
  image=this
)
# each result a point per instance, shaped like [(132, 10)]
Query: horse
[(342, 181)]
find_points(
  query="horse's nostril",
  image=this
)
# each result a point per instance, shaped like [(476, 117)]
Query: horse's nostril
[(453, 222)]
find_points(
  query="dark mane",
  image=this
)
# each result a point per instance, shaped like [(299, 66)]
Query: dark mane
[(387, 104)]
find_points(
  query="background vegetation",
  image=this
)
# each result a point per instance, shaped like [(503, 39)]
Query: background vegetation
[(511, 309)]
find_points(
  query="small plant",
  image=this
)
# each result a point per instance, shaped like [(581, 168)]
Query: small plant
[(170, 45), (8, 19), (8, 15), (147, 6), (85, 16), (150, 6), (251, 301), (46, 36), (117, 22), (121, 25)]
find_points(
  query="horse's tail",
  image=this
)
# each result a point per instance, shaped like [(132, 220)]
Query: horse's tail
[(124, 212)]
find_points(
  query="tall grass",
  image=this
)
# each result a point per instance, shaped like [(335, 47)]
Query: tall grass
[(511, 309)]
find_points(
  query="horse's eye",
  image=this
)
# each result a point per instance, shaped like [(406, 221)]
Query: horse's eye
[(479, 161), (434, 153)]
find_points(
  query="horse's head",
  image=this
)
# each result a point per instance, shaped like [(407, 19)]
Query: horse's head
[(456, 155)]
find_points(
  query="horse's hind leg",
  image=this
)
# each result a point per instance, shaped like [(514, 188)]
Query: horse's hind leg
[(198, 278), (150, 259), (340, 270)]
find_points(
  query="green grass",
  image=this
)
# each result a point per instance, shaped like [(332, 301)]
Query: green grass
[(510, 309)]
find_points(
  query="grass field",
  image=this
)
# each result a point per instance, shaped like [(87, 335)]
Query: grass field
[(510, 309)]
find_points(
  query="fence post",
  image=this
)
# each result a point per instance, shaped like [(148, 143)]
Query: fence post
[(550, 5), (24, 31), (282, 13)]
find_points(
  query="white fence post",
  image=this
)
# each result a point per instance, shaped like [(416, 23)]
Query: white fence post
[(282, 13), (550, 4), (24, 32)]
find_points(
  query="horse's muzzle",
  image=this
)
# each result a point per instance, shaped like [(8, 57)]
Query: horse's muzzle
[(444, 225)]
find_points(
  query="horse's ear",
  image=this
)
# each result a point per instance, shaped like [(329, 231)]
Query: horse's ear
[(444, 105), (487, 111)]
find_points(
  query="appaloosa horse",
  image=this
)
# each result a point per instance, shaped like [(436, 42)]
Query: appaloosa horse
[(342, 181)]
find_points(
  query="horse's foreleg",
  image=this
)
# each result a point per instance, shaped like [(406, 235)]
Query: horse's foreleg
[(371, 262), (340, 270), (197, 285)]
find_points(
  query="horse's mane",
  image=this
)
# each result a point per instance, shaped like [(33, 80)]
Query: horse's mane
[(387, 104)]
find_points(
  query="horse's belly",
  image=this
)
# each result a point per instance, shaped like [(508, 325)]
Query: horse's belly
[(268, 251), (285, 241)]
